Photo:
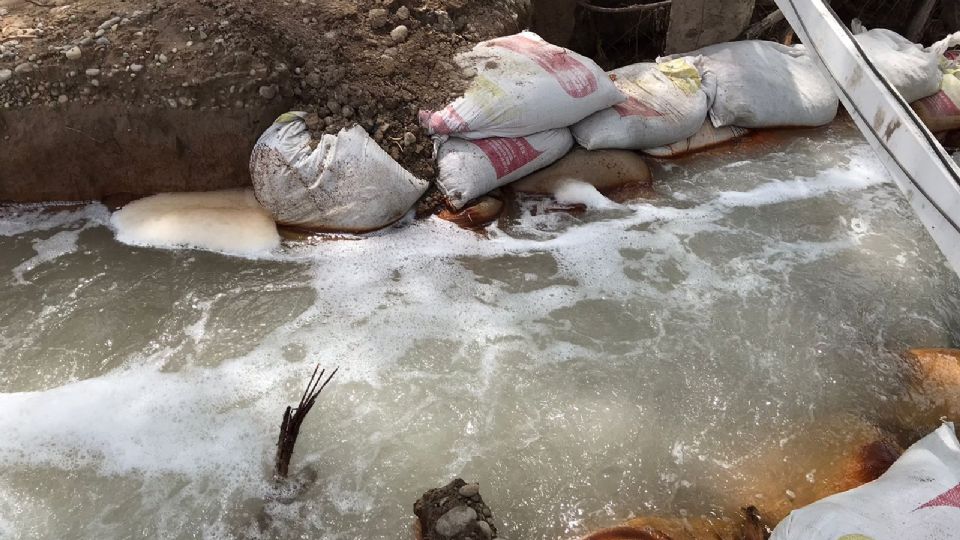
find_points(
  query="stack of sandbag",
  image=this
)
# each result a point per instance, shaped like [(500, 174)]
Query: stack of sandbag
[(343, 183), (665, 104), (761, 84), (513, 118), (917, 498), (911, 69), (941, 111)]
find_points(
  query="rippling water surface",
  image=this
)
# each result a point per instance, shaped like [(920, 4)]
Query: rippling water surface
[(687, 354)]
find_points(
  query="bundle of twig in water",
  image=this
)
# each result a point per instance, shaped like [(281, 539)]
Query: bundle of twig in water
[(293, 419)]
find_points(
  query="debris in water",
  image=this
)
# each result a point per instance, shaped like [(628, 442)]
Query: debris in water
[(455, 512), (477, 215), (293, 418)]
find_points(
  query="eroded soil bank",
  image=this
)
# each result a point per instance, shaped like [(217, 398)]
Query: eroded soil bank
[(104, 97)]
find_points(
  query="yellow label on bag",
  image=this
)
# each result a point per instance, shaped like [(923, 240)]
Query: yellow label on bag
[(951, 86), (287, 117), (683, 74), (492, 100)]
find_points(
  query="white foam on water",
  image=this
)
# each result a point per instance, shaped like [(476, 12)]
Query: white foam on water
[(20, 219), (383, 296), (580, 192), (778, 191), (230, 222), (404, 262), (143, 421), (48, 249)]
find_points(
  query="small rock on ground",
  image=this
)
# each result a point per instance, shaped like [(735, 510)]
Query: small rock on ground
[(400, 33)]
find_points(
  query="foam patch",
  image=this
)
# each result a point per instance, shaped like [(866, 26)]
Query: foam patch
[(231, 222), (48, 250), (577, 192)]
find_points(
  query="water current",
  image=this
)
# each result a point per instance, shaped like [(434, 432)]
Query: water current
[(687, 354)]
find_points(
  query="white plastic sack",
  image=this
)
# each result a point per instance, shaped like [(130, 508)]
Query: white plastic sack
[(761, 84), (707, 137), (523, 85), (917, 498), (665, 104), (469, 169), (913, 70), (346, 183)]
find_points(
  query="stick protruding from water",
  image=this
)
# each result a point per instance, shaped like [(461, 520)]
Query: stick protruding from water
[(293, 418)]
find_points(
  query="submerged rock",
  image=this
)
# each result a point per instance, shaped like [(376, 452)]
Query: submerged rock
[(937, 370), (935, 388), (455, 521)]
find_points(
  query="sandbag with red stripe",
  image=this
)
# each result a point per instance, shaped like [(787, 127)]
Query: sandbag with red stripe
[(523, 85), (471, 168), (941, 111), (665, 104)]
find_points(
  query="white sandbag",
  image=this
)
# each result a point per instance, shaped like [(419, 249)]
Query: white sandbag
[(707, 137), (917, 498), (665, 104), (761, 84), (346, 183), (913, 70), (469, 169), (523, 85)]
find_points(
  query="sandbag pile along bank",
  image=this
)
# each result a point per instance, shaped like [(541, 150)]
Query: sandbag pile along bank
[(679, 104), (530, 102), (528, 97), (513, 119)]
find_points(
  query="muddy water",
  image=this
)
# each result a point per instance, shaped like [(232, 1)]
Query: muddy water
[(657, 357)]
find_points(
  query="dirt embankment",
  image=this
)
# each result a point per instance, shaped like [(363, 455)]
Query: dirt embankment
[(106, 96)]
